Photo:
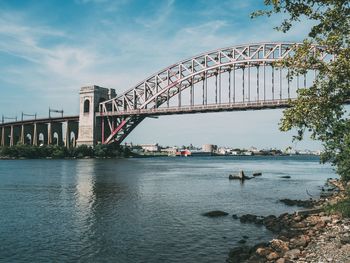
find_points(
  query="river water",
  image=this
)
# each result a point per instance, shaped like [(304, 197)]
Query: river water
[(142, 210)]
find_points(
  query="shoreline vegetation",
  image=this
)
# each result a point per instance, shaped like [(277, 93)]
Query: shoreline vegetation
[(23, 151), (318, 234)]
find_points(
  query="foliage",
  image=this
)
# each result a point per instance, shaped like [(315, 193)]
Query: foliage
[(320, 109), (342, 207), (54, 151)]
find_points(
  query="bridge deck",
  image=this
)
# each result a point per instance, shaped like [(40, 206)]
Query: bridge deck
[(40, 121), (238, 106)]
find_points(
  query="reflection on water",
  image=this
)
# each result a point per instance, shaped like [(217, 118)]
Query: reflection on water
[(84, 193), (141, 210)]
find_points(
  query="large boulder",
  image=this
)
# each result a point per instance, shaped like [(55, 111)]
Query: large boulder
[(279, 245)]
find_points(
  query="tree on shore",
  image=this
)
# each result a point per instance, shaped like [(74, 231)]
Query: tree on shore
[(320, 109)]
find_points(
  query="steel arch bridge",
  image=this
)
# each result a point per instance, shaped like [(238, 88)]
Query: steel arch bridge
[(240, 77)]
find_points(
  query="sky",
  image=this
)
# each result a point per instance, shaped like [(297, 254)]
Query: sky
[(49, 49)]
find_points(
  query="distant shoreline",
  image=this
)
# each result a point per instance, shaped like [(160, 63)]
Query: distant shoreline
[(153, 156)]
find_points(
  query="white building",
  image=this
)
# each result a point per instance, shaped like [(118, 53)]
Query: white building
[(150, 147)]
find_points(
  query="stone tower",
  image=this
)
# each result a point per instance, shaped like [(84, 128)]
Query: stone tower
[(89, 125)]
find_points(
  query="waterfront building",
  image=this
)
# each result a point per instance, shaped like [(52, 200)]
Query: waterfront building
[(150, 147), (209, 148)]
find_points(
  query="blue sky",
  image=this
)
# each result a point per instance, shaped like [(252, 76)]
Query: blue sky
[(49, 49)]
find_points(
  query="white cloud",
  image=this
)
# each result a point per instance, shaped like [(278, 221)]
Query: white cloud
[(158, 16)]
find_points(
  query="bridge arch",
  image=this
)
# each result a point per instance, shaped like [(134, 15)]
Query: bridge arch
[(28, 139), (55, 138), (41, 139), (73, 138), (124, 112)]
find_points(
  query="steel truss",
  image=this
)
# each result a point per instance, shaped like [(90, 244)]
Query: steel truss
[(124, 112)]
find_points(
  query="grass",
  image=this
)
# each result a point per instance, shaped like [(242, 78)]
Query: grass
[(342, 206)]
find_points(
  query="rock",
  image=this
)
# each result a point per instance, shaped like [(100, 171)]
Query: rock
[(298, 242), (281, 260), (248, 218), (299, 225), (345, 239), (234, 216), (320, 225), (232, 177), (310, 232), (257, 174), (297, 218), (285, 177), (253, 219), (326, 219), (269, 219), (245, 237), (272, 223), (326, 194), (263, 251), (283, 238), (310, 211), (279, 245), (301, 203), (215, 213), (238, 254), (292, 254), (272, 256), (241, 176), (260, 245)]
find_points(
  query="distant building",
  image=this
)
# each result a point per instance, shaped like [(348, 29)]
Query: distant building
[(224, 151), (171, 151), (150, 147), (209, 148), (253, 150)]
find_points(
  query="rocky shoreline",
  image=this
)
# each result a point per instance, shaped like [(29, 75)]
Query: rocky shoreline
[(306, 236)]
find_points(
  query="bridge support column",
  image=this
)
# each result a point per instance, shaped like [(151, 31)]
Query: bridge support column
[(11, 136), (6, 131), (21, 139), (67, 138), (89, 126), (2, 137), (35, 136), (49, 137)]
